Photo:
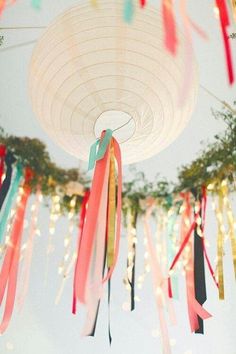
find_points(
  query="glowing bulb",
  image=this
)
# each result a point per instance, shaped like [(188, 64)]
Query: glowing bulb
[(56, 198), (73, 203), (172, 342), (66, 241), (9, 346), (155, 333), (216, 11), (52, 230)]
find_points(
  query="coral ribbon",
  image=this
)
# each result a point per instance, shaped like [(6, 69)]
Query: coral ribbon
[(224, 21), (89, 229), (9, 270), (2, 6), (80, 232), (94, 282), (168, 18)]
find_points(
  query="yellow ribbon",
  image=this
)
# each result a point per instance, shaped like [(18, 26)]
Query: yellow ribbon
[(230, 219), (233, 4), (220, 243), (111, 211)]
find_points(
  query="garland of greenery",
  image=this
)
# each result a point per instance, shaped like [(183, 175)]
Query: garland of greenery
[(216, 162)]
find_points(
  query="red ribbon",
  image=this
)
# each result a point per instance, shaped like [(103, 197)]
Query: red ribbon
[(224, 21), (142, 3), (169, 26), (3, 152), (9, 271)]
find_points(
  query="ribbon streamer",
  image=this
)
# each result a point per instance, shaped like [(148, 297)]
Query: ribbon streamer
[(9, 270), (233, 4), (93, 246), (224, 21), (3, 4), (159, 283), (130, 276), (169, 25), (99, 148), (220, 244), (10, 200), (142, 3), (80, 232), (2, 159), (29, 250), (128, 11), (36, 4), (9, 160), (199, 266)]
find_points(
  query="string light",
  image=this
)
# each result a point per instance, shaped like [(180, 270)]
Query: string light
[(55, 212), (68, 237)]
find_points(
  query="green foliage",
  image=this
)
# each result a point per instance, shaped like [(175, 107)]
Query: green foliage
[(216, 162)]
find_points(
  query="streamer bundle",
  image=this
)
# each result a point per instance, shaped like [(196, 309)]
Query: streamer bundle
[(100, 235), (9, 270)]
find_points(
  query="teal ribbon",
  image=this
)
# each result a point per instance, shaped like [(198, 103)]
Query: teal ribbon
[(10, 199), (98, 149), (128, 11)]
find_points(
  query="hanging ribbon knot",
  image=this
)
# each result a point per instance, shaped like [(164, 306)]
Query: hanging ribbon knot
[(98, 149)]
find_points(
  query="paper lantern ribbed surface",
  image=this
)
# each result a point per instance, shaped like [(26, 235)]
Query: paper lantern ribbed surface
[(91, 71)]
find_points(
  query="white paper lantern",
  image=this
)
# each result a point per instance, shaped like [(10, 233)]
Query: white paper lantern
[(91, 71)]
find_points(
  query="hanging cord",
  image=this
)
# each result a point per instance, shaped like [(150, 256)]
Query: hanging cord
[(120, 127), (227, 105), (21, 28)]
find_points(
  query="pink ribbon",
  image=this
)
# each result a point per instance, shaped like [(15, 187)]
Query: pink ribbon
[(168, 17), (9, 270), (81, 226), (224, 21), (29, 250), (94, 287), (159, 284), (194, 308)]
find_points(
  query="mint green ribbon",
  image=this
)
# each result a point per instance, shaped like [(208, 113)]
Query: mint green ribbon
[(128, 11), (98, 149), (10, 199), (36, 4)]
